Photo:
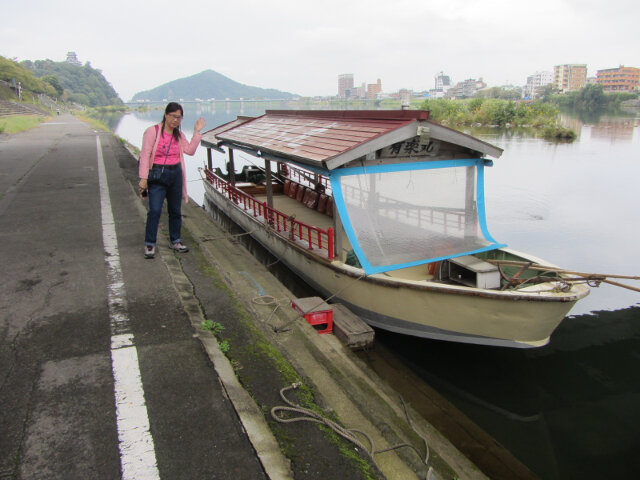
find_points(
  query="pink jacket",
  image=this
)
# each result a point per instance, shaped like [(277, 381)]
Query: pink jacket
[(150, 141)]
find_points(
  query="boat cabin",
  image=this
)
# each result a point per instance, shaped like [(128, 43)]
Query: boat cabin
[(380, 190)]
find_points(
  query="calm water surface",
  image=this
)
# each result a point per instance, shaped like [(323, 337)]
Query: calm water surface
[(571, 409)]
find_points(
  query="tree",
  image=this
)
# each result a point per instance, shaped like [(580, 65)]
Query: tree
[(500, 92), (54, 82), (591, 97), (475, 104), (545, 93)]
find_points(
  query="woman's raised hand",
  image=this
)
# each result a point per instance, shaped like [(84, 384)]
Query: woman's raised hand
[(199, 125)]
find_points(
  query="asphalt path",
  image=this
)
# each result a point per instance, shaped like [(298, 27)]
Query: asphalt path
[(65, 309)]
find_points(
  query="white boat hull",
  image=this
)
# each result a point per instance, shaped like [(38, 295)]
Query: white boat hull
[(419, 308)]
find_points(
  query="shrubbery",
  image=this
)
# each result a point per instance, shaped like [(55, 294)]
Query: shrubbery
[(557, 132), (592, 98), (491, 112)]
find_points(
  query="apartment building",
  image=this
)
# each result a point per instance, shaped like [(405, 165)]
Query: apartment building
[(373, 89), (621, 79), (569, 77), (466, 89), (536, 82), (345, 84), (443, 84)]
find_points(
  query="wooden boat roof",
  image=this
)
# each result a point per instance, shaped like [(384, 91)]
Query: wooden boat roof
[(209, 138), (329, 139)]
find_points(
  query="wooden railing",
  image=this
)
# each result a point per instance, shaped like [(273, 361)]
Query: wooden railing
[(307, 178), (313, 237)]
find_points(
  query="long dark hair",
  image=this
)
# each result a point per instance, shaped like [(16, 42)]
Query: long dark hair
[(173, 107)]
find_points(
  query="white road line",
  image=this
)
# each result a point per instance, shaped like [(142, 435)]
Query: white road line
[(137, 453)]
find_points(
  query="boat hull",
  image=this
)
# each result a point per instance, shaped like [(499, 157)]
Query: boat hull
[(419, 308)]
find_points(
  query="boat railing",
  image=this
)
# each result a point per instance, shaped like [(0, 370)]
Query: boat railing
[(313, 238), (302, 176), (447, 220)]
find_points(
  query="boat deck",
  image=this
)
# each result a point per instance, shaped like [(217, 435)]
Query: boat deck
[(302, 213), (291, 206)]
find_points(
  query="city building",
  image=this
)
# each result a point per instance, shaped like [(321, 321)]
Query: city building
[(443, 84), (345, 83), (405, 97), (536, 82), (72, 58), (347, 90), (569, 77), (466, 89), (374, 89), (621, 79), (357, 92)]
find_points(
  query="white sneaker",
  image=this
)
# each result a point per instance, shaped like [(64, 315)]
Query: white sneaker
[(180, 247), (149, 251)]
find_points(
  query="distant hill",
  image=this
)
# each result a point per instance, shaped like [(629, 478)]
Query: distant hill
[(206, 85)]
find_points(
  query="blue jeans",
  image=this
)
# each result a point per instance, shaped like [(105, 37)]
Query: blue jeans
[(170, 187)]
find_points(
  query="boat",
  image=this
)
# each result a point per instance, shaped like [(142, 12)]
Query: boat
[(383, 212)]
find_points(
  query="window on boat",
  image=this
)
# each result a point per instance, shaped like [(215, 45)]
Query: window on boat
[(407, 214)]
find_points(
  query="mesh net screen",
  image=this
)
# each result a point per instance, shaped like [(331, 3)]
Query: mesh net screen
[(412, 216)]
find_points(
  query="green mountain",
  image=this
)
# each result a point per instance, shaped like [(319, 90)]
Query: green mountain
[(75, 83), (206, 85)]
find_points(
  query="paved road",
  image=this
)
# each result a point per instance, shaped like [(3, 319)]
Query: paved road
[(78, 307)]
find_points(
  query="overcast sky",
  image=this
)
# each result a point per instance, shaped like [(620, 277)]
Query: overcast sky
[(301, 46)]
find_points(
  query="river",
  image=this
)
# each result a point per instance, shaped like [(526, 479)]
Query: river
[(571, 409)]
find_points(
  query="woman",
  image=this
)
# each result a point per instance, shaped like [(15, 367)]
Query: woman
[(162, 174)]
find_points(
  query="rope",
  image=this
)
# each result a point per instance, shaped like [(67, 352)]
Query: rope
[(269, 265), (348, 434), (266, 301), (226, 236)]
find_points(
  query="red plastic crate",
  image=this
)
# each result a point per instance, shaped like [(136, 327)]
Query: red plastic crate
[(315, 311)]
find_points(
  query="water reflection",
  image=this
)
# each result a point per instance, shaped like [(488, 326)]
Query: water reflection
[(112, 120), (615, 128), (567, 410)]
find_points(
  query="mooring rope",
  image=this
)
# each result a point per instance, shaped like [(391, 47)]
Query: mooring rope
[(349, 434), (591, 279), (225, 236)]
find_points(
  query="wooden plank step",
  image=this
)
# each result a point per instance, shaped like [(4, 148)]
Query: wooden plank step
[(350, 329)]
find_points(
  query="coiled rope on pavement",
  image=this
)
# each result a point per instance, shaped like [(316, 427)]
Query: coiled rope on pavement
[(349, 434)]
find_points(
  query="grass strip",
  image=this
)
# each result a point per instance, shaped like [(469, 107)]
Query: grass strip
[(20, 123)]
